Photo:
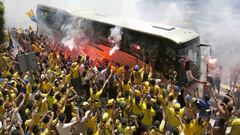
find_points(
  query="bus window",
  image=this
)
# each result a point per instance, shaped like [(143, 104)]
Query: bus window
[(190, 54)]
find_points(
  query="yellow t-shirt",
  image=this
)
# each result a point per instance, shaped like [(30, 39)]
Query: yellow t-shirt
[(2, 110), (68, 78), (46, 85), (187, 129), (126, 100), (95, 96), (50, 100), (43, 107), (172, 119), (15, 75), (75, 72), (128, 130), (146, 90), (91, 123), (148, 116), (235, 124), (126, 87), (156, 90), (155, 132), (43, 125), (137, 109), (28, 88), (137, 76), (197, 129), (6, 73)]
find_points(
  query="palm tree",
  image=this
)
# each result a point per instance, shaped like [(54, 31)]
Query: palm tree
[(2, 22)]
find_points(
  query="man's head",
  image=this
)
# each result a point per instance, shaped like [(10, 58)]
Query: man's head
[(38, 97), (136, 67), (225, 100), (149, 105), (177, 107), (152, 82), (62, 118), (124, 121), (36, 130), (46, 119), (200, 121)]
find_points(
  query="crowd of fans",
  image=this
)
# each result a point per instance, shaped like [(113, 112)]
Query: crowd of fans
[(65, 96)]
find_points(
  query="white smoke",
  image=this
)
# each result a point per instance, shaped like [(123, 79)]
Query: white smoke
[(77, 32), (115, 37)]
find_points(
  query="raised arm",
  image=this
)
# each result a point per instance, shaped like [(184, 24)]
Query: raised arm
[(233, 97), (22, 103), (219, 107), (105, 83)]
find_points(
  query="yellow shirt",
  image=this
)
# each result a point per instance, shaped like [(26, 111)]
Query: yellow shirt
[(126, 100), (235, 127), (28, 88), (187, 129), (119, 70), (146, 90), (2, 110), (128, 130), (46, 85), (91, 123), (172, 119), (148, 116), (68, 78), (126, 87), (50, 100), (44, 125), (197, 129), (155, 132), (43, 107), (75, 72), (156, 90), (137, 76), (137, 109), (15, 75), (95, 96), (6, 73)]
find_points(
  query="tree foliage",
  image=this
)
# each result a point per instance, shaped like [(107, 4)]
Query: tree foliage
[(2, 10)]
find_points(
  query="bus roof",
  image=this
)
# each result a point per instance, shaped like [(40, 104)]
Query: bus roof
[(177, 35)]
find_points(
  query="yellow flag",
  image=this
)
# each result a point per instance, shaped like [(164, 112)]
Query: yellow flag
[(31, 15)]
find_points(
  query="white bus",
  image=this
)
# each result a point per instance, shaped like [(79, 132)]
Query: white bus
[(161, 44)]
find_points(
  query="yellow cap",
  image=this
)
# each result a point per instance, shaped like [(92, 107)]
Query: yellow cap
[(235, 122), (146, 84), (160, 97), (27, 111), (177, 106), (85, 104), (153, 100), (27, 123), (137, 93), (170, 94), (194, 99), (105, 117), (110, 102)]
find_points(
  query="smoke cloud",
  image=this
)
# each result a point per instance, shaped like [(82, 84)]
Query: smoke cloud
[(115, 36), (74, 31)]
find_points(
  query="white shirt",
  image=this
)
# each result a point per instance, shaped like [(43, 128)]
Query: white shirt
[(64, 128)]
